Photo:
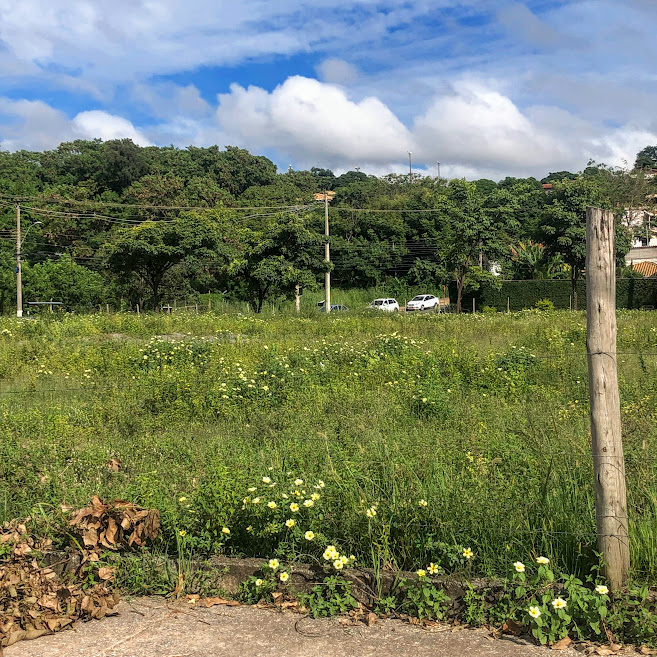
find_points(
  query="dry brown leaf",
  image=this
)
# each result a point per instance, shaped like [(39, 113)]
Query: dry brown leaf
[(371, 619), (106, 573), (114, 465), (644, 650), (604, 650), (216, 600), (562, 644)]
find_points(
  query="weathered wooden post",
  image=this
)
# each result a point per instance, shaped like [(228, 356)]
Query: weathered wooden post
[(607, 443)]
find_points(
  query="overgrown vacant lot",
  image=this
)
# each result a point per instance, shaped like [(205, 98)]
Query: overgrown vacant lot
[(484, 418)]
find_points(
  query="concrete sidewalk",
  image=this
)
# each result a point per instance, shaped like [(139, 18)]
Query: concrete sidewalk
[(153, 627)]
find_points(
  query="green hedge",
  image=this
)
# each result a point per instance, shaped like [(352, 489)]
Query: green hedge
[(631, 293)]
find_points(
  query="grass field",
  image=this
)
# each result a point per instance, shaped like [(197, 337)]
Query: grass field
[(483, 417)]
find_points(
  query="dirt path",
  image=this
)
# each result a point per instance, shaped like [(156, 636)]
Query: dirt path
[(149, 627)]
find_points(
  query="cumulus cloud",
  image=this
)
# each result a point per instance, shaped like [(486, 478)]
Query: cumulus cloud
[(98, 124), (304, 117), (35, 125)]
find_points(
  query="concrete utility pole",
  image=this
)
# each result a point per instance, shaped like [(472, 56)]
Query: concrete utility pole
[(438, 163), (19, 280), (607, 443), (327, 257)]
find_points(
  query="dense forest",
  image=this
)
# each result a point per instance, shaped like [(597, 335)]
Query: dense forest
[(112, 222)]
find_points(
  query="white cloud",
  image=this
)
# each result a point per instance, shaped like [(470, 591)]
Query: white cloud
[(98, 124), (34, 125), (305, 118)]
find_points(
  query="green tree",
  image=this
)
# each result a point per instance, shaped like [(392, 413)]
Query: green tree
[(151, 249), (62, 279), (646, 158), (564, 227), (272, 262)]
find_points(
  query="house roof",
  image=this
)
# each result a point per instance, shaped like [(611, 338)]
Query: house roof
[(547, 186), (645, 268)]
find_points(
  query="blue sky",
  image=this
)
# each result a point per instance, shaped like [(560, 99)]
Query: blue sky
[(487, 87)]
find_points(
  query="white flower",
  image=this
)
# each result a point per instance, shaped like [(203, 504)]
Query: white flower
[(308, 503), (468, 554), (252, 489), (294, 507), (272, 505), (298, 482), (542, 560), (559, 603), (259, 582), (256, 500), (284, 577), (601, 589), (266, 480), (314, 497), (273, 564), (371, 512), (534, 612), (338, 565), (309, 535), (519, 566), (320, 484), (290, 523), (422, 503)]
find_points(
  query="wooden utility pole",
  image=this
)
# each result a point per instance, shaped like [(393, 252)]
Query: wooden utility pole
[(327, 257), (607, 443)]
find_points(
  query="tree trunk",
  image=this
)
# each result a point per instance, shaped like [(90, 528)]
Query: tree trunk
[(460, 284)]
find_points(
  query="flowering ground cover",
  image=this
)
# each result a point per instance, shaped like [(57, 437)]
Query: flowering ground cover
[(440, 442)]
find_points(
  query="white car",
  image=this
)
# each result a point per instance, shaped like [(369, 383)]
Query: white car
[(423, 302), (388, 305)]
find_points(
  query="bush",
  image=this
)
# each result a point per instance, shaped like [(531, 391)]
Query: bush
[(544, 304)]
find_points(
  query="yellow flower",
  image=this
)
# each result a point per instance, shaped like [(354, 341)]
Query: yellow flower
[(542, 560), (345, 559), (421, 573), (271, 505), (225, 530), (182, 499), (266, 480), (284, 496), (294, 507), (559, 603), (182, 532), (422, 503), (519, 566), (284, 577), (330, 553), (252, 489), (534, 612), (433, 569), (468, 554), (601, 589), (314, 497), (298, 482), (249, 528), (290, 523), (256, 500), (259, 582), (273, 564), (308, 503), (320, 484), (338, 565), (371, 512), (309, 535)]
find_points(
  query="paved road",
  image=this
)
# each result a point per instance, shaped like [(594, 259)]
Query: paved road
[(151, 627)]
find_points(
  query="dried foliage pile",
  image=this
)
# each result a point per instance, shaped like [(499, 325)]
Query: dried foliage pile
[(35, 600)]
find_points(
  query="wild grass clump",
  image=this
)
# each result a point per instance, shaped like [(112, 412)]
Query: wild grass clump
[(460, 432)]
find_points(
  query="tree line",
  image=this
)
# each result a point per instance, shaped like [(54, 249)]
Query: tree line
[(124, 222)]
